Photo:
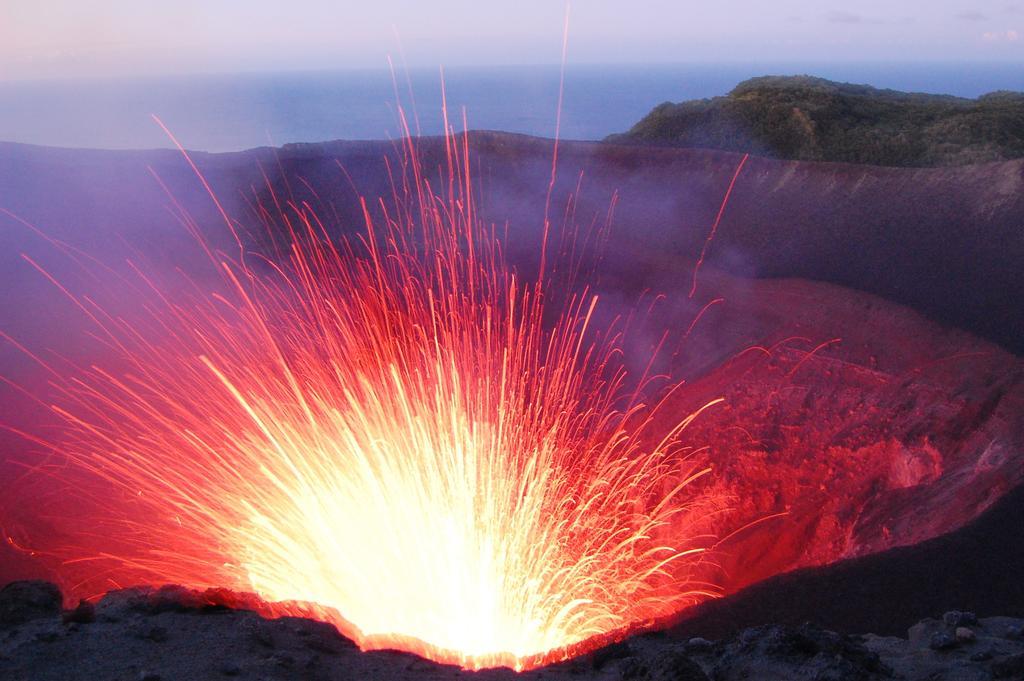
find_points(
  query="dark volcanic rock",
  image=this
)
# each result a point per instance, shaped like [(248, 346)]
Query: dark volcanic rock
[(987, 656), (942, 640), (1011, 666), (955, 618), (23, 601), (162, 642), (670, 664), (806, 652), (83, 613)]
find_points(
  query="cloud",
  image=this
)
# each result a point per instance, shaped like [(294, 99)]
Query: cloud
[(971, 16), (843, 17), (1009, 36)]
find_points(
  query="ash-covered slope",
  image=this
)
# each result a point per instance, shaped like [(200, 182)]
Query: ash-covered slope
[(947, 242)]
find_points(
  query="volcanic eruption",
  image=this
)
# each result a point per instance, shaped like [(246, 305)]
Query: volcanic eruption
[(396, 433), (383, 414)]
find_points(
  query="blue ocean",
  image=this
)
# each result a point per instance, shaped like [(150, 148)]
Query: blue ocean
[(234, 112)]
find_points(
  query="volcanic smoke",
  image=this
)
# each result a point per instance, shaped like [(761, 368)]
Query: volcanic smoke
[(394, 429)]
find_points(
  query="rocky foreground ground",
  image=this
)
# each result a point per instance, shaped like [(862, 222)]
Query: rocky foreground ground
[(171, 633)]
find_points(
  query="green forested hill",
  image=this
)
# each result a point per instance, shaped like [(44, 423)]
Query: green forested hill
[(806, 118)]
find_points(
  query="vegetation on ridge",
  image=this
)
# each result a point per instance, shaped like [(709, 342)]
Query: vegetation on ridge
[(813, 119)]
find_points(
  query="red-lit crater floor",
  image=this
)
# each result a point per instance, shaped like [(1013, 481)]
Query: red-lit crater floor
[(850, 425)]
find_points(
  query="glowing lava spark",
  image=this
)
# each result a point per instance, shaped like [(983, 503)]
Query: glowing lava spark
[(394, 429)]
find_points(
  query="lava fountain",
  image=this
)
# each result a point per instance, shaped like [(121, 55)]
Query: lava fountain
[(395, 428)]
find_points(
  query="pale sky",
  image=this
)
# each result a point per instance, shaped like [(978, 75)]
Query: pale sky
[(86, 38)]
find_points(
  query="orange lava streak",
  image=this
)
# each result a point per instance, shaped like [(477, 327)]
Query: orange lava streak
[(388, 429), (718, 220)]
